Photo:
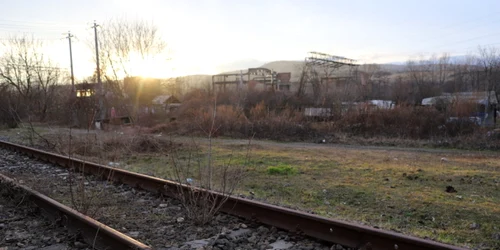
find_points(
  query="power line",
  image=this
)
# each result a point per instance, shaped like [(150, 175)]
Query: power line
[(459, 31), (455, 32), (33, 26), (44, 39), (39, 23), (470, 20), (14, 26), (468, 40), (450, 44), (32, 30), (457, 25)]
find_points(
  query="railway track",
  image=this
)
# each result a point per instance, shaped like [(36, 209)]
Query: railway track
[(93, 232), (329, 230)]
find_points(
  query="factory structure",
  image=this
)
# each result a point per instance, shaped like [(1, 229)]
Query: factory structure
[(319, 72)]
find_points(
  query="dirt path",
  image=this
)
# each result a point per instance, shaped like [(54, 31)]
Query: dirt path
[(323, 146), (17, 134)]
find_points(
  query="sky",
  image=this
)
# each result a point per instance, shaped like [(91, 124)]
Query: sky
[(210, 36)]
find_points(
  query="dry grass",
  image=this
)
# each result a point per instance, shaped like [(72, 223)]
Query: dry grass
[(104, 147), (391, 189), (396, 190)]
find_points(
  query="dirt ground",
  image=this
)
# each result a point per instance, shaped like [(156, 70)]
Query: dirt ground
[(448, 195)]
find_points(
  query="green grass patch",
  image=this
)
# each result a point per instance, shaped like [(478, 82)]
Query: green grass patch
[(281, 169)]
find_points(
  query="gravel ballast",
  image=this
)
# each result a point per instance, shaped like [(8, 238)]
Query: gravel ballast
[(22, 226), (155, 220)]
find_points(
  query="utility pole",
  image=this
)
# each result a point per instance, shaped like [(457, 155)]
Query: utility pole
[(99, 82), (73, 90), (71, 62)]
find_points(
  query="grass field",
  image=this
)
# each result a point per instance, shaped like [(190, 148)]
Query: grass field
[(399, 189), (404, 191)]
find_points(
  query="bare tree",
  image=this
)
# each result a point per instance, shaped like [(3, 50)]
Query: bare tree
[(463, 76), (427, 76), (33, 77), (368, 77), (122, 44), (121, 41), (402, 90), (442, 68), (489, 61), (179, 86), (301, 90)]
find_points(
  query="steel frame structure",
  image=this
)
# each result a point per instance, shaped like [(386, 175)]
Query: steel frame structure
[(326, 60), (263, 75), (329, 63)]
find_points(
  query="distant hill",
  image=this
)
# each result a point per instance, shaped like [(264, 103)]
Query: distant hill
[(295, 67), (453, 59), (394, 69), (239, 65), (284, 66)]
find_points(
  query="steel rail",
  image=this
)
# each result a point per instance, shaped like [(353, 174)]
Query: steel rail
[(330, 230), (94, 233)]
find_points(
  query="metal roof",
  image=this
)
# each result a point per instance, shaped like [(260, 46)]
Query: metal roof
[(483, 98)]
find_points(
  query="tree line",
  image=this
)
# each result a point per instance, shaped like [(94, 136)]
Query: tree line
[(33, 87)]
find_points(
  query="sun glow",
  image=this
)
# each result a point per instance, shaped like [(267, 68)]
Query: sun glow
[(156, 67)]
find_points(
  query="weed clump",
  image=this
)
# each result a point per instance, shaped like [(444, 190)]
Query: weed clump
[(281, 170)]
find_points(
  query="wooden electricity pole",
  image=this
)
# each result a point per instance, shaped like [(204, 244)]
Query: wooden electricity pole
[(71, 62), (100, 91), (74, 115)]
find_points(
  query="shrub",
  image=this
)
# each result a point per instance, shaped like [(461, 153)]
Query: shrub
[(279, 116), (259, 111), (401, 122), (112, 146)]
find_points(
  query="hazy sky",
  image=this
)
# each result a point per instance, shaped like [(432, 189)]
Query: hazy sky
[(203, 35)]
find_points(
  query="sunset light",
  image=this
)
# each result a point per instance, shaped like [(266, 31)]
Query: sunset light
[(153, 66), (250, 124)]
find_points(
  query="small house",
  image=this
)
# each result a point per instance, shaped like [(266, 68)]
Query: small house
[(168, 103)]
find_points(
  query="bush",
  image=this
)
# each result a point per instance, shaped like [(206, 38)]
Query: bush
[(463, 126), (401, 122), (113, 146), (279, 116)]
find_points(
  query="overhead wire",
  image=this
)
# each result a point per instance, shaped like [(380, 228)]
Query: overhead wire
[(46, 31), (458, 27), (50, 30), (15, 26), (39, 23), (450, 46)]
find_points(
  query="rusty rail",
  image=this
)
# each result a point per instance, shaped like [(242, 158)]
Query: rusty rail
[(94, 233), (330, 230)]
